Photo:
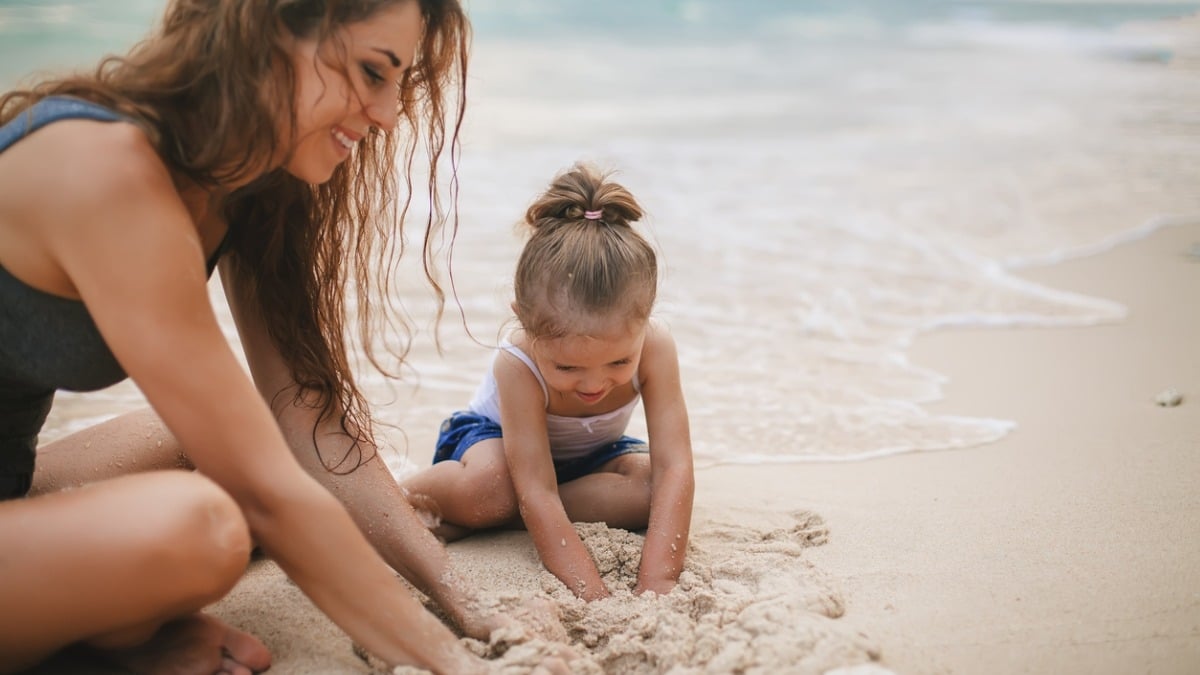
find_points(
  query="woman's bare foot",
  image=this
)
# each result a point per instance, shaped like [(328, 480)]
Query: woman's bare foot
[(194, 645)]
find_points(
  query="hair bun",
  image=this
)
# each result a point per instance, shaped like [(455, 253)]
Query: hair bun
[(584, 193)]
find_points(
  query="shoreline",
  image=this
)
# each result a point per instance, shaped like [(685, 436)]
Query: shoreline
[(1070, 545)]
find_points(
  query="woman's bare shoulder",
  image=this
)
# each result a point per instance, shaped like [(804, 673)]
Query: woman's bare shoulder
[(70, 188), (88, 158), (72, 167)]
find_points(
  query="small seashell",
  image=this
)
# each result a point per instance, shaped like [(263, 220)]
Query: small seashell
[(1169, 398)]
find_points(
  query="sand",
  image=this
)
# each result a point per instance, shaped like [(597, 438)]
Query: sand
[(1070, 546), (748, 601)]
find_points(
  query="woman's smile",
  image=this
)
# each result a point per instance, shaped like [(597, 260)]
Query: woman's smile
[(345, 140)]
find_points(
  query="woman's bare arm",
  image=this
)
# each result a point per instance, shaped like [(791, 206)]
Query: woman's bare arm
[(369, 492), (130, 249)]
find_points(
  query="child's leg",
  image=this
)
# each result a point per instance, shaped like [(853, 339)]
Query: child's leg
[(475, 492), (617, 494)]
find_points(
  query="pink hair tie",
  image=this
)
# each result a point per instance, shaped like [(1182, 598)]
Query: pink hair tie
[(593, 215)]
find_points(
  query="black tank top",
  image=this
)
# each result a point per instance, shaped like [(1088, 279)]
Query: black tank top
[(46, 342)]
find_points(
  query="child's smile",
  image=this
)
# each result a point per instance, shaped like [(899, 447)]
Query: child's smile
[(585, 370)]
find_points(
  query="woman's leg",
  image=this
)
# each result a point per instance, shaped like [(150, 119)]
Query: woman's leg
[(132, 443), (617, 494), (124, 565), (473, 493)]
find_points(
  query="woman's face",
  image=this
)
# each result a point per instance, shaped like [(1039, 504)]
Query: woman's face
[(348, 84)]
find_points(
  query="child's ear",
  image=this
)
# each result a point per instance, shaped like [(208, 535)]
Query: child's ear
[(513, 306)]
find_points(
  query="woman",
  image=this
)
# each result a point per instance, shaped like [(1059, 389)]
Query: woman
[(260, 134)]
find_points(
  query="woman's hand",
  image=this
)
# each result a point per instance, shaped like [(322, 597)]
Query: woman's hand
[(534, 618)]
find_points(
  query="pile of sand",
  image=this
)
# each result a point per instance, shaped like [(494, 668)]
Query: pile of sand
[(747, 602)]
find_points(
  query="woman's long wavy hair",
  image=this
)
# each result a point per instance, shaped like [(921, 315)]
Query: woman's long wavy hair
[(213, 87)]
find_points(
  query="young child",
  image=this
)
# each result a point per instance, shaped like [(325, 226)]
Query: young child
[(543, 440)]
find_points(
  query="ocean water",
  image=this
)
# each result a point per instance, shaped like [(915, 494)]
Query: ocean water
[(825, 180)]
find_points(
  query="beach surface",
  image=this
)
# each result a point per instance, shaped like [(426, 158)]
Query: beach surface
[(928, 271), (1072, 545)]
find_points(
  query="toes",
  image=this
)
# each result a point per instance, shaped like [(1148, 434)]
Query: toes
[(246, 650), (231, 667)]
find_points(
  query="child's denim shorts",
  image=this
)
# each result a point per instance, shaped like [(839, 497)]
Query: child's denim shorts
[(464, 429)]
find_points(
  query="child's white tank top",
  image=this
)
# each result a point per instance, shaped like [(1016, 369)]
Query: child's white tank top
[(570, 437)]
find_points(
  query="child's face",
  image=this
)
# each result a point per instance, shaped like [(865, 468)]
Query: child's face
[(339, 99), (587, 369)]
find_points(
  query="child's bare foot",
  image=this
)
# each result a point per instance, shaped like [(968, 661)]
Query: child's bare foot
[(425, 507), (449, 532), (194, 645), (430, 516)]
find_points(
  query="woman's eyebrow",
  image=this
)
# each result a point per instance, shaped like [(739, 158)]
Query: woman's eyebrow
[(391, 56)]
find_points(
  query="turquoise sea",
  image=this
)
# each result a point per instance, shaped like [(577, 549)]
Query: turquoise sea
[(826, 180)]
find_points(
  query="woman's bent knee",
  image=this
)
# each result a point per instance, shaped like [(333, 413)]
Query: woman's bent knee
[(128, 552), (204, 536)]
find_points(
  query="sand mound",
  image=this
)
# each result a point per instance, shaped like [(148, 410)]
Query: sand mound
[(747, 602)]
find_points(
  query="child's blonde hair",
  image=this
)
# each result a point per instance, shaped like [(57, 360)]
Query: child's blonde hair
[(583, 260)]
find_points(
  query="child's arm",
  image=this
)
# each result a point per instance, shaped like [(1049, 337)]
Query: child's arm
[(527, 449), (672, 482)]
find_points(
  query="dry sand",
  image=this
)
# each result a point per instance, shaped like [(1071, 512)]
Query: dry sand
[(1070, 546)]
